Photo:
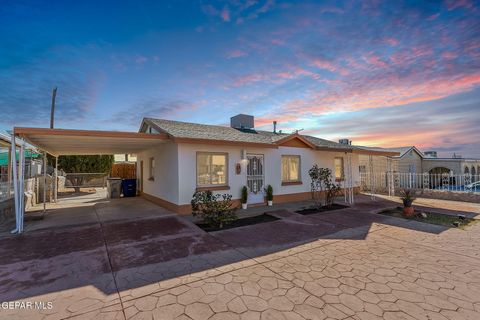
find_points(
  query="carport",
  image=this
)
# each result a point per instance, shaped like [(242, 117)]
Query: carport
[(58, 142)]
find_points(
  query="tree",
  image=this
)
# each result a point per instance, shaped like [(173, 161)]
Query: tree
[(84, 164)]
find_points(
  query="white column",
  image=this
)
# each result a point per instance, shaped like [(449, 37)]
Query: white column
[(21, 193), (15, 183), (55, 186), (44, 182), (352, 192), (9, 173)]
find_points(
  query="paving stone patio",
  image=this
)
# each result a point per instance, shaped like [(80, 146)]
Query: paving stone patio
[(345, 264)]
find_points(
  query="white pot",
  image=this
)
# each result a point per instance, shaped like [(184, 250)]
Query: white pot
[(270, 203), (244, 206)]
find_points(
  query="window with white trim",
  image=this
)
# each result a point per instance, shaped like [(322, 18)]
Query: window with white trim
[(339, 169), (212, 169), (151, 169), (291, 168)]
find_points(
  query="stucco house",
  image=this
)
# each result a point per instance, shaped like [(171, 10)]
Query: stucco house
[(412, 160), (224, 159)]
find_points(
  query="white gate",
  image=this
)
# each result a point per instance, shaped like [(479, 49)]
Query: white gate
[(255, 178)]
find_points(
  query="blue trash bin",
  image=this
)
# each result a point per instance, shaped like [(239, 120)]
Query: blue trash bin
[(129, 187)]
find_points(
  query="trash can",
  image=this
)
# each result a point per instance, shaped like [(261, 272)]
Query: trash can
[(114, 187), (129, 187)]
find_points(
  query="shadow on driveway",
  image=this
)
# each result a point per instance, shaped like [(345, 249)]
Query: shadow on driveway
[(113, 261)]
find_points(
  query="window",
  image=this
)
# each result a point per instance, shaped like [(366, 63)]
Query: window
[(291, 169), (412, 168), (151, 169), (362, 169), (212, 169), (339, 172)]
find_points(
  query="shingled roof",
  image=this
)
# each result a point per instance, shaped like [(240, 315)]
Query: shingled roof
[(179, 130)]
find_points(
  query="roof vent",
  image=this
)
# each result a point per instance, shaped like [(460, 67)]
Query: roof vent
[(345, 141), (242, 121)]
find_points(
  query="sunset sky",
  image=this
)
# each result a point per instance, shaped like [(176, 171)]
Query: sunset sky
[(380, 73)]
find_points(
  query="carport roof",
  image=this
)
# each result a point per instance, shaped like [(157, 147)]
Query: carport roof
[(88, 142)]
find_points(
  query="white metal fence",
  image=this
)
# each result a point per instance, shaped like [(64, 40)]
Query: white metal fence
[(389, 182), (6, 190)]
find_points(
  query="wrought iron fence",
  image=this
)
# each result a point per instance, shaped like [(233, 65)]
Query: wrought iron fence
[(393, 181)]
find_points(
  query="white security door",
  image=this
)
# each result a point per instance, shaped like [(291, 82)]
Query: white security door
[(255, 178)]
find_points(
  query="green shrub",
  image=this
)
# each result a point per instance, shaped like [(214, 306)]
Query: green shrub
[(321, 181), (407, 197), (214, 209), (244, 195), (269, 191)]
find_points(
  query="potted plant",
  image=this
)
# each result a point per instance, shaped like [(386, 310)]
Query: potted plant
[(244, 197), (407, 199), (269, 191)]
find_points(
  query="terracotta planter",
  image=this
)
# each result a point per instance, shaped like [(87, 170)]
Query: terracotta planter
[(408, 211)]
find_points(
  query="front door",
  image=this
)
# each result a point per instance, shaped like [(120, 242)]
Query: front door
[(255, 178)]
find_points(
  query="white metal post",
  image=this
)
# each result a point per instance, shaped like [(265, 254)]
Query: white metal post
[(21, 193), (352, 196), (44, 182), (15, 183), (55, 186)]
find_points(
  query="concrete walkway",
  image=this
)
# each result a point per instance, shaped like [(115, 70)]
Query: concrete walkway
[(344, 264)]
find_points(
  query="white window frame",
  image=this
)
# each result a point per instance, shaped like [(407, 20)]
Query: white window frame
[(151, 168), (226, 169), (299, 168), (342, 176)]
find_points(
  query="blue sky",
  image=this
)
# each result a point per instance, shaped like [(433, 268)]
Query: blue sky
[(380, 73)]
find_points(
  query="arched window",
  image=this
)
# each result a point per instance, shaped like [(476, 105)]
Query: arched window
[(474, 172), (466, 171)]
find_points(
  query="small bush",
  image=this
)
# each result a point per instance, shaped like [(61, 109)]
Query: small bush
[(322, 181), (214, 209), (244, 195), (269, 191), (407, 197)]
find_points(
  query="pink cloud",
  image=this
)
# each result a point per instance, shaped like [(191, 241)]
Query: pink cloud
[(391, 41), (141, 60), (225, 14), (236, 53), (375, 60), (454, 4), (449, 55), (360, 94)]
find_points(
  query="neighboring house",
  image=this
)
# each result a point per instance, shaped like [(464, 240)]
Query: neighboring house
[(412, 160), (409, 160), (224, 159)]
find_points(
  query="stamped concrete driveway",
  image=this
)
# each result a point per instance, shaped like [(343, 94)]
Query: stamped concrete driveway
[(347, 264)]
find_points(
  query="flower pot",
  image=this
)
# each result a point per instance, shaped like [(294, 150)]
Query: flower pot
[(270, 203), (408, 211), (244, 206)]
